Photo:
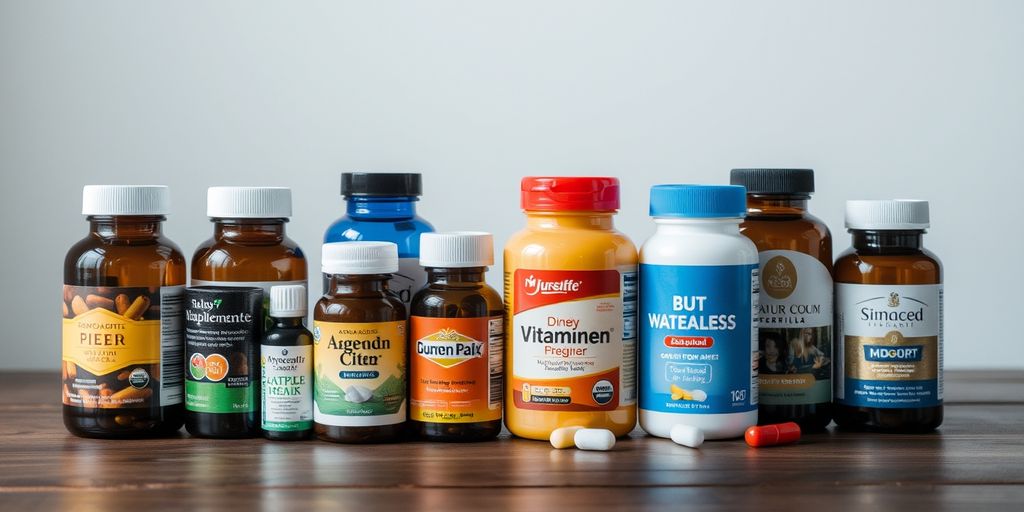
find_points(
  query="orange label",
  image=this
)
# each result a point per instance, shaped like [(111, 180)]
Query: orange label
[(456, 369)]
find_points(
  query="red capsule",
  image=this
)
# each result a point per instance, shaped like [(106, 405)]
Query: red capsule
[(773, 435)]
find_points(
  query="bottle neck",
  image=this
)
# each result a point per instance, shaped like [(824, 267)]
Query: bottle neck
[(601, 221), (456, 277), (352, 284), (720, 226), (777, 204), (396, 208), (888, 240), (287, 322), (249, 231), (136, 227)]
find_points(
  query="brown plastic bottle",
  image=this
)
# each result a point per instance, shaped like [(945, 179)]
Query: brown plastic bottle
[(122, 337), (795, 307), (888, 321), (249, 245), (249, 249), (360, 352), (457, 342)]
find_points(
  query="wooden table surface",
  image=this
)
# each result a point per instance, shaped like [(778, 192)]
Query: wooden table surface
[(975, 460)]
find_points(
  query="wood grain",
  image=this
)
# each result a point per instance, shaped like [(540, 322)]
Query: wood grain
[(975, 459)]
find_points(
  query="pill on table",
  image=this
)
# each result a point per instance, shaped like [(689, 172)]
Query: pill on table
[(773, 435), (564, 437), (594, 439), (687, 435)]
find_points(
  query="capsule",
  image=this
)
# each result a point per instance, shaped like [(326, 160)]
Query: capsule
[(564, 437), (598, 439), (773, 435)]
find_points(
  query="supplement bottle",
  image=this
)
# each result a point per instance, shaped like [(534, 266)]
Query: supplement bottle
[(359, 347), (795, 309), (249, 245), (570, 302), (286, 361), (888, 321), (223, 329), (698, 313), (382, 207), (457, 341), (122, 334)]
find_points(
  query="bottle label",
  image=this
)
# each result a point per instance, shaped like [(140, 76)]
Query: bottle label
[(795, 330), (699, 338), (287, 387), (574, 337), (264, 285), (890, 345), (122, 347), (359, 373), (456, 369), (222, 332), (408, 280)]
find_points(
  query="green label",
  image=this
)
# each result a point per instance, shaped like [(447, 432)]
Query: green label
[(287, 426), (217, 398)]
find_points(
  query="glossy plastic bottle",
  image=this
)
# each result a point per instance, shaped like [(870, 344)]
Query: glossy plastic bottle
[(698, 314), (249, 246), (457, 342), (795, 309), (360, 350), (570, 302), (123, 287), (382, 207), (888, 321)]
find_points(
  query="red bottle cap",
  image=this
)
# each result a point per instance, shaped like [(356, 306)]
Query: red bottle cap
[(580, 194), (773, 435)]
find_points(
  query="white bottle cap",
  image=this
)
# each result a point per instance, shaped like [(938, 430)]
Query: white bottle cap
[(457, 249), (288, 301), (359, 258), (249, 202), (887, 214), (126, 200)]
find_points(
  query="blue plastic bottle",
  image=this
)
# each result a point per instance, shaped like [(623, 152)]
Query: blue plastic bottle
[(381, 207)]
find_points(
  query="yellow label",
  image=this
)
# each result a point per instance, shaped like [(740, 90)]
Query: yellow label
[(360, 373), (101, 341)]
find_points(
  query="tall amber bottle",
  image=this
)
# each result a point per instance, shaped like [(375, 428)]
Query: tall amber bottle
[(456, 345), (795, 307), (360, 349), (888, 321), (122, 327), (249, 246)]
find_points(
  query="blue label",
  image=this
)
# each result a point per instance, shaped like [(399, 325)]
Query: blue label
[(887, 394), (698, 345), (904, 354)]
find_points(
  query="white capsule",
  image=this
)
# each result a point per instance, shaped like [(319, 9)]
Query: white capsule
[(699, 395), (357, 394), (687, 435), (564, 437), (594, 439)]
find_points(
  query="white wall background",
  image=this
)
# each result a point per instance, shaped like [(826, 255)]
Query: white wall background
[(886, 98)]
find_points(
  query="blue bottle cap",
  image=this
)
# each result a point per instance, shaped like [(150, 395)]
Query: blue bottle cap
[(698, 201)]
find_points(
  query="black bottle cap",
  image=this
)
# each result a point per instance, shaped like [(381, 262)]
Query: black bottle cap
[(408, 184), (774, 181)]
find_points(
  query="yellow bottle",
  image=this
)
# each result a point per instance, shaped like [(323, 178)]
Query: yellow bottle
[(570, 306)]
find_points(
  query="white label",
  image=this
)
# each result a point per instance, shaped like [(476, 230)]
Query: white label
[(408, 280), (287, 387), (172, 345)]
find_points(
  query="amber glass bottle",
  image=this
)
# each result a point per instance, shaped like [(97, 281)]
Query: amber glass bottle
[(122, 337), (795, 307), (360, 352), (249, 245), (889, 321), (456, 344)]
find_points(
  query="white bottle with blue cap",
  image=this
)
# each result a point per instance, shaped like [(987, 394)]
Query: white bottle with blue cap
[(698, 313)]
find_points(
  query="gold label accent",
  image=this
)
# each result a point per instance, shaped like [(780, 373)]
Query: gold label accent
[(892, 357), (779, 277)]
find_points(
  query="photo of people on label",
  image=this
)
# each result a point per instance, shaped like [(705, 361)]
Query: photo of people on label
[(801, 350)]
